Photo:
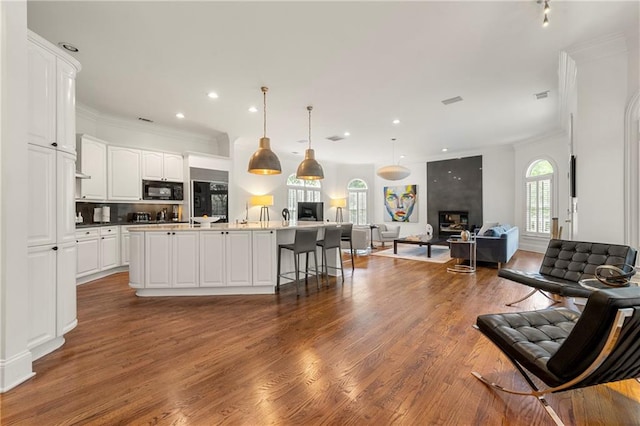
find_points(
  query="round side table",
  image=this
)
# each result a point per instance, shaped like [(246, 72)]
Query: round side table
[(471, 267)]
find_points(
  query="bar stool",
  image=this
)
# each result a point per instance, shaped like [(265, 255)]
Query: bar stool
[(331, 240), (347, 229), (304, 242)]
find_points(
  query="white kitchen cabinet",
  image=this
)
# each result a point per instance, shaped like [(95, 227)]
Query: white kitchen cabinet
[(88, 251), (123, 174), (136, 258), (171, 260), (41, 290), (264, 264), (125, 239), (41, 202), (109, 248), (212, 259), (238, 258), (65, 198), (92, 161), (162, 166), (51, 76), (66, 288)]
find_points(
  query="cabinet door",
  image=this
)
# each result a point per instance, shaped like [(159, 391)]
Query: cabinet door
[(41, 80), (66, 106), (66, 205), (41, 203), (66, 287), (109, 252), (123, 174), (157, 262), (93, 162), (88, 252), (152, 165), (41, 290), (264, 259), (136, 253), (212, 259), (185, 259), (124, 248), (238, 252), (173, 168)]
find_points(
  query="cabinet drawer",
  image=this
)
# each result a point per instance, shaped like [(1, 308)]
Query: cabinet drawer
[(86, 233), (108, 230)]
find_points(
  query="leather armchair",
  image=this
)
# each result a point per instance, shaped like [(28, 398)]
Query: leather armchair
[(386, 233)]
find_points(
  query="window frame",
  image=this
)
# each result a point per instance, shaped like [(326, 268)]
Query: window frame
[(311, 190), (553, 195), (358, 192)]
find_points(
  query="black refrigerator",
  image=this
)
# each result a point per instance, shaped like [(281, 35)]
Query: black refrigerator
[(211, 199)]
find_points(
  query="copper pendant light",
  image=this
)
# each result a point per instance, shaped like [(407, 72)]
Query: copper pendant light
[(264, 161), (309, 168)]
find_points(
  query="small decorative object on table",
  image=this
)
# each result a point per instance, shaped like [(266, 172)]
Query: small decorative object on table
[(465, 235), (615, 275), (206, 221)]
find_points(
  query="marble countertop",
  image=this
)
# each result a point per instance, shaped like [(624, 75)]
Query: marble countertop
[(250, 226), (153, 222)]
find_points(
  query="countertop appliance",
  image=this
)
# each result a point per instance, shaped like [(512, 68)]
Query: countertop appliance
[(140, 217), (210, 198), (157, 190)]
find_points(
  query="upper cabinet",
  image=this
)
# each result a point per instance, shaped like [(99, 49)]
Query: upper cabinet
[(123, 174), (51, 102), (162, 166), (92, 161)]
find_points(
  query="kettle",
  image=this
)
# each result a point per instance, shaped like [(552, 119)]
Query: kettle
[(162, 215)]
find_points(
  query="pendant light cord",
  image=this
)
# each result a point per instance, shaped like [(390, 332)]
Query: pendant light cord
[(309, 108)]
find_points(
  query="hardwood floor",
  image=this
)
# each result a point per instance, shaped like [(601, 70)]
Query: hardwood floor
[(393, 344)]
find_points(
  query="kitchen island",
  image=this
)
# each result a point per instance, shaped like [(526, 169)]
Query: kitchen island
[(224, 259)]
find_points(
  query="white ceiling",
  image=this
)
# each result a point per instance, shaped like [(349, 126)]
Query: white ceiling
[(360, 64)]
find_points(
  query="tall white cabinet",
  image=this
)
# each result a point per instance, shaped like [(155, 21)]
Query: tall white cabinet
[(52, 251)]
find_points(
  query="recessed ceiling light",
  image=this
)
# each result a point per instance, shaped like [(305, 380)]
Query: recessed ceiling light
[(444, 150), (212, 95), (253, 109), (68, 46), (396, 121), (347, 134), (180, 115)]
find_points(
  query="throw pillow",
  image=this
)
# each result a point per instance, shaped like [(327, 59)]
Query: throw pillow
[(496, 231), (486, 227)]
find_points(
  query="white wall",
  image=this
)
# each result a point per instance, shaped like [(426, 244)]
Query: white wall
[(602, 93), (130, 133), (555, 149), (15, 359)]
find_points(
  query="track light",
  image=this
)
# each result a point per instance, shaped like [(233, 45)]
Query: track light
[(547, 9), (545, 22)]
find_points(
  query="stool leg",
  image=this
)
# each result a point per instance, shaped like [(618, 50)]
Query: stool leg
[(325, 267), (306, 270), (278, 279), (296, 260), (315, 259), (341, 265), (353, 268)]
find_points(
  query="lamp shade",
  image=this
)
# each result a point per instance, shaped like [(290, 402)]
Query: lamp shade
[(393, 172), (338, 202), (262, 200)]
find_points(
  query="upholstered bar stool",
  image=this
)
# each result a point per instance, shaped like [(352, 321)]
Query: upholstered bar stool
[(331, 240), (347, 229), (304, 242)]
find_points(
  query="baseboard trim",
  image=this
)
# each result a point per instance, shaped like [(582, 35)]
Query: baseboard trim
[(101, 274), (15, 370)]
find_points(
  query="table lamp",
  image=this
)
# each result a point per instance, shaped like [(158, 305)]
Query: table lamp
[(339, 204), (264, 201)]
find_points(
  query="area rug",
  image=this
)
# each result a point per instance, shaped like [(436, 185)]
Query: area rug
[(439, 254)]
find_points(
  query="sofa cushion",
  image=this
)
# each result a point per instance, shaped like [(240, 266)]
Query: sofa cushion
[(486, 227), (495, 231)]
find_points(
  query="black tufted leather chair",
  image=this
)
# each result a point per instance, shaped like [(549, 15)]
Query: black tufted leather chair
[(568, 350), (565, 263)]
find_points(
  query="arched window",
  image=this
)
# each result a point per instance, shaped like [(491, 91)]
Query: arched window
[(539, 197), (357, 189), (301, 190)]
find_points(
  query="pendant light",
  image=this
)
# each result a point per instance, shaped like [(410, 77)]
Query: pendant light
[(264, 161), (310, 169), (393, 171)]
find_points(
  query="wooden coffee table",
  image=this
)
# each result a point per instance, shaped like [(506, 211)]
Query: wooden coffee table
[(420, 240)]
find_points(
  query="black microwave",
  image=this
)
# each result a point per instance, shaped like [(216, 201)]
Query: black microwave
[(156, 190)]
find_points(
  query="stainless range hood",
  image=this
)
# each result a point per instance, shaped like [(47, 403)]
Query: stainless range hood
[(80, 175)]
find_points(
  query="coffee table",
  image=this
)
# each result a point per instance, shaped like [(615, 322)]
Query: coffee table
[(420, 240)]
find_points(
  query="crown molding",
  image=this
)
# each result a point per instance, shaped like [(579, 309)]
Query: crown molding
[(600, 48), (47, 45), (567, 77), (129, 124)]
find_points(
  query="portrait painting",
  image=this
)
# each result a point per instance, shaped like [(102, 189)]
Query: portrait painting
[(401, 203)]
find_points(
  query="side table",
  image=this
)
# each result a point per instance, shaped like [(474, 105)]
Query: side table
[(465, 269), (372, 228)]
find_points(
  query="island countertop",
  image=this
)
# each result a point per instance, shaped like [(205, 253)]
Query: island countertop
[(249, 226)]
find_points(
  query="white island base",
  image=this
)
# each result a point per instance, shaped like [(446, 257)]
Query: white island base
[(226, 259)]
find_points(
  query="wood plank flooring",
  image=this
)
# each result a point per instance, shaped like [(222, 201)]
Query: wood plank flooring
[(392, 345)]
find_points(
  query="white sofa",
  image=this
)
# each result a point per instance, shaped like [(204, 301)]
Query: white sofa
[(386, 233)]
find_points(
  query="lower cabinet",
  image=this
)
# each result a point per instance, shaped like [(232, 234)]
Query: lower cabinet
[(225, 259), (264, 258), (52, 296), (98, 249), (171, 259)]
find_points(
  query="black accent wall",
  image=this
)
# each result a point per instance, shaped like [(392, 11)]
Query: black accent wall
[(455, 185)]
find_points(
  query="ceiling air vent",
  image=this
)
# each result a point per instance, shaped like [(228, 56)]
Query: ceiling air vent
[(452, 100), (542, 95), (146, 120), (335, 138)]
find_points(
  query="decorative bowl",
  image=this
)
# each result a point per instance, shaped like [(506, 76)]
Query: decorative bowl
[(205, 222)]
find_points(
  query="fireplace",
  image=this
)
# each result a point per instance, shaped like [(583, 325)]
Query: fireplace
[(452, 221)]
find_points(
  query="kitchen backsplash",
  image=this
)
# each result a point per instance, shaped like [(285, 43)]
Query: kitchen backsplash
[(120, 213)]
